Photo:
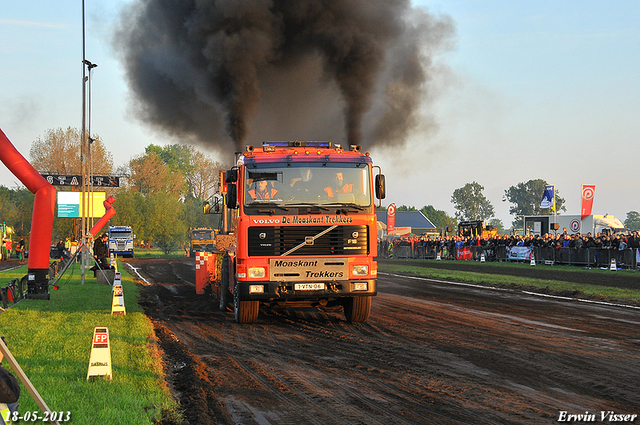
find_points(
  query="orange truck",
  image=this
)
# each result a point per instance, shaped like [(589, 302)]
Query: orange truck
[(299, 229)]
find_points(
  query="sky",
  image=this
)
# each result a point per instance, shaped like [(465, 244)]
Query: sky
[(529, 90)]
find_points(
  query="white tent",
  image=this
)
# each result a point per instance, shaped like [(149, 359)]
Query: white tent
[(607, 221)]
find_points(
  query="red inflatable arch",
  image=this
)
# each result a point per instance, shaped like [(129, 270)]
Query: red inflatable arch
[(42, 220)]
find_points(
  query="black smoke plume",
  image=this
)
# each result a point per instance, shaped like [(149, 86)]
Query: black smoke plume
[(217, 71)]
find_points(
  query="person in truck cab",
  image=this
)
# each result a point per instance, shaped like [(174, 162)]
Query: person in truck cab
[(339, 186), (261, 191)]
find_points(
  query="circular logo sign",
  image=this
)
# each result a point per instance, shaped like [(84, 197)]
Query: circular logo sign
[(587, 193), (574, 225), (391, 209)]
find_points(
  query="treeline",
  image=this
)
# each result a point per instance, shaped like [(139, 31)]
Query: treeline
[(161, 193)]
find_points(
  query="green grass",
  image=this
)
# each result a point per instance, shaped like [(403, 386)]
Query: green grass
[(51, 340), (507, 281)]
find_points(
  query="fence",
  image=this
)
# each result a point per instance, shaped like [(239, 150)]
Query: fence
[(587, 257)]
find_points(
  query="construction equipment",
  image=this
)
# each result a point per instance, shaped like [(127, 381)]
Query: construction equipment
[(202, 240), (476, 228)]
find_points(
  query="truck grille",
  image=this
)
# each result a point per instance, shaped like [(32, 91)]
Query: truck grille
[(275, 241)]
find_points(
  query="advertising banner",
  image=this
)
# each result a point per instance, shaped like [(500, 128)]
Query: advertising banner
[(463, 253), (391, 218), (519, 253), (548, 198), (69, 204), (588, 191)]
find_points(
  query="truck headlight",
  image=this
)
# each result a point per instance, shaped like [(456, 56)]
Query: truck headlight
[(360, 270), (257, 272)]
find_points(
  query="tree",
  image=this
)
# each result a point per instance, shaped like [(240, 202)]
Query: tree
[(59, 153), (471, 204), (439, 218), (16, 209), (526, 199), (163, 222), (497, 224), (149, 175), (633, 220), (204, 176)]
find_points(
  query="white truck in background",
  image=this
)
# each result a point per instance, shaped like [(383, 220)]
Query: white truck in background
[(121, 240)]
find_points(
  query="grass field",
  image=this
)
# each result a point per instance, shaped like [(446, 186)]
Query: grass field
[(509, 281), (51, 340)]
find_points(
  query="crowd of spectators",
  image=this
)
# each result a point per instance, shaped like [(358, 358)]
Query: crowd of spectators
[(446, 245)]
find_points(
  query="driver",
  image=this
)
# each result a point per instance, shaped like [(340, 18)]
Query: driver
[(339, 186), (262, 191)]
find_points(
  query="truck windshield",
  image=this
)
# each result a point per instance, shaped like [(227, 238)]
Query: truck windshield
[(321, 184), (120, 233)]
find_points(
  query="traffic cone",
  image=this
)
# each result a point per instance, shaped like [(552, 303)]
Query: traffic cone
[(613, 266)]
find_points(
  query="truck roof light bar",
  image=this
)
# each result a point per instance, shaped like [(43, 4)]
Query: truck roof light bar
[(295, 144)]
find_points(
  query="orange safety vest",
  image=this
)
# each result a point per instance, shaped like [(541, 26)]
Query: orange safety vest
[(347, 188), (263, 195)]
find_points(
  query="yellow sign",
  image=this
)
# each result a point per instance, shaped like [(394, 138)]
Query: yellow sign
[(70, 205), (100, 360)]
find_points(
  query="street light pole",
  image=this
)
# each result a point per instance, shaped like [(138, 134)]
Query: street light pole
[(83, 160)]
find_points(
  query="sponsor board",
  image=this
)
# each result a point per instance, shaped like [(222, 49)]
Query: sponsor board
[(308, 270)]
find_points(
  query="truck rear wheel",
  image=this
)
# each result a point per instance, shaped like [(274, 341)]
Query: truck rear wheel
[(245, 311), (223, 296), (356, 309)]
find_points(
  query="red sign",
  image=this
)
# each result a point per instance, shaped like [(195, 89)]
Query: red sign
[(391, 218), (100, 338), (588, 192), (463, 254)]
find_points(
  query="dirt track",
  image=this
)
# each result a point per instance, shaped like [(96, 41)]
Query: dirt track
[(430, 353)]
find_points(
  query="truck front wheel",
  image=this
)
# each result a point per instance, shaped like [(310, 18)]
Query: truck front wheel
[(356, 309), (245, 311)]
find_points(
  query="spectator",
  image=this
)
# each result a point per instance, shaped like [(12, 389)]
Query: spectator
[(100, 252), (20, 249)]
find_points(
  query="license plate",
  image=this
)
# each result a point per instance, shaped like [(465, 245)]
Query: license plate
[(309, 286)]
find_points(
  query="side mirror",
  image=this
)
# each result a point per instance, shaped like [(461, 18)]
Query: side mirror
[(232, 176), (232, 196), (380, 186)]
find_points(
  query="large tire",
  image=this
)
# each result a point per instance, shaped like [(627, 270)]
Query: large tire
[(223, 296), (245, 311), (356, 309)]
